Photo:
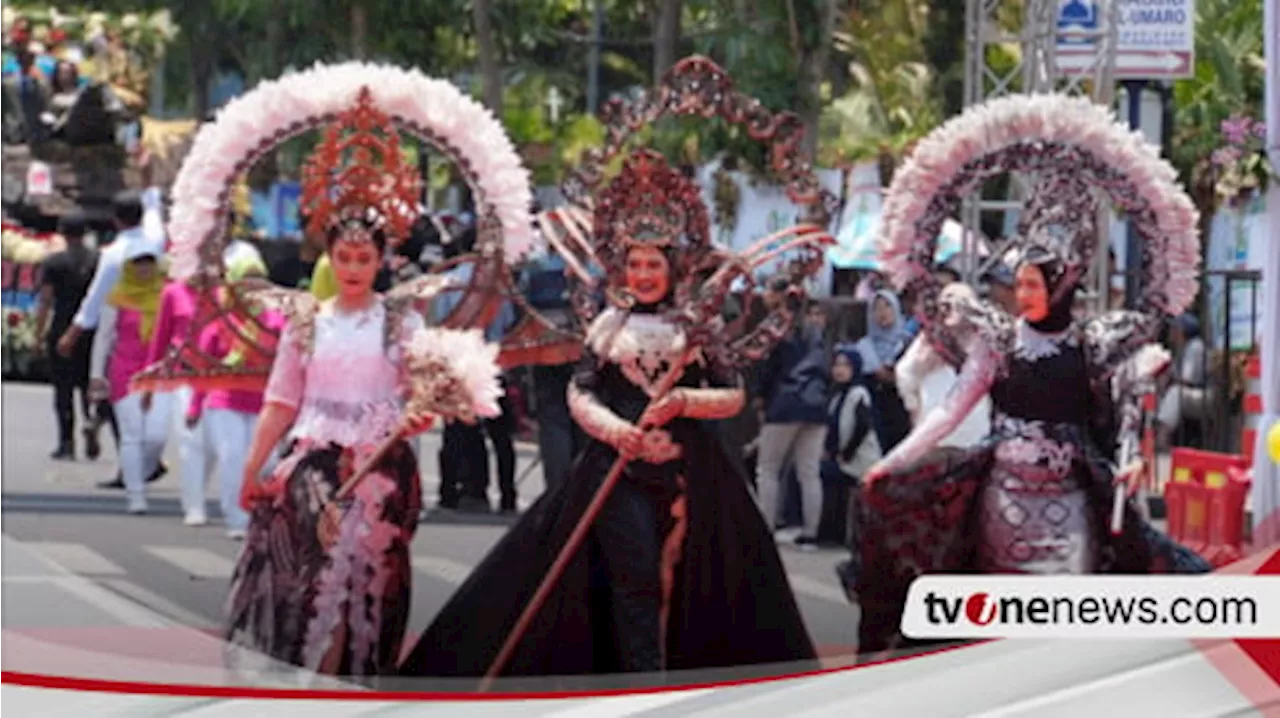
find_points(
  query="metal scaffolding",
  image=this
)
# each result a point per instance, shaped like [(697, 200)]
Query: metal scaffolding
[(1035, 69)]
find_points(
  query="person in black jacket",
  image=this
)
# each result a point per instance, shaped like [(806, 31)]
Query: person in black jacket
[(793, 388)]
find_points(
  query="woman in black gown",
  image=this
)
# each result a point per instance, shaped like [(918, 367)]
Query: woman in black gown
[(679, 570)]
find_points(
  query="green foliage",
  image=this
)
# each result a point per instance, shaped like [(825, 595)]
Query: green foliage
[(1229, 80), (893, 101)]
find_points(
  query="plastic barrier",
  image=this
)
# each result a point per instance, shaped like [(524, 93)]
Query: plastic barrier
[(1205, 502)]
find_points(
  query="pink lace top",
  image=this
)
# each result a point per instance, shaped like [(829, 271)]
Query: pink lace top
[(347, 391)]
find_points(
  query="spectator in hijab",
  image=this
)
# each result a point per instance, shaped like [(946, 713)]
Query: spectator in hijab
[(887, 338), (851, 444)]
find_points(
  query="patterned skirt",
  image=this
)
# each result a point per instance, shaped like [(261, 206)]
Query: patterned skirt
[(324, 584), (963, 512)]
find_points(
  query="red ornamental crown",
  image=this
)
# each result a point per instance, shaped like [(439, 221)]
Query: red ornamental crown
[(652, 204), (357, 171)]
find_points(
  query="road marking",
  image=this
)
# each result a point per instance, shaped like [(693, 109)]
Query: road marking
[(448, 571), (816, 589), (77, 558), (121, 609), (627, 705), (196, 562), (159, 604)]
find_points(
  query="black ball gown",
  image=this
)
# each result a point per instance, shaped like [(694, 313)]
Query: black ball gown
[(715, 578)]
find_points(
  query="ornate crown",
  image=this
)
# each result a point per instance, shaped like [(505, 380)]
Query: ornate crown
[(649, 203), (357, 172)]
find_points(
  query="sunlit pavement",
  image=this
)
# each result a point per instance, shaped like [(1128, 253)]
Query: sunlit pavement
[(74, 560)]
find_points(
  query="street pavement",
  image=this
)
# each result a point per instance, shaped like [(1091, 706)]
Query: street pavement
[(94, 553)]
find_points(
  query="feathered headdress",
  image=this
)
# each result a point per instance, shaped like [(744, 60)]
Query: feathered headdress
[(358, 173)]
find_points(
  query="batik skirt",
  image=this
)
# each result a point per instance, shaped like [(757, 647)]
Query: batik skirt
[(930, 519), (324, 583)]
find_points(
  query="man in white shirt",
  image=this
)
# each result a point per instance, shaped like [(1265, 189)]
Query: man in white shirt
[(140, 221)]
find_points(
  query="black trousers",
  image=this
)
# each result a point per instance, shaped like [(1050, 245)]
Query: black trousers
[(69, 375), (464, 460), (628, 537)]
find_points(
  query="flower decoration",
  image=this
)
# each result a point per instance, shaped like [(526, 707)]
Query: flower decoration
[(451, 373), (1241, 166)]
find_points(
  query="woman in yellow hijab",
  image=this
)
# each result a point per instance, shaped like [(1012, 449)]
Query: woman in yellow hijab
[(119, 352)]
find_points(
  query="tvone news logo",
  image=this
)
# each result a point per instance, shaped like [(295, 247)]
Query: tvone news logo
[(980, 608)]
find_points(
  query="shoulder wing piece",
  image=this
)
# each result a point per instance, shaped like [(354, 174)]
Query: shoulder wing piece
[(1114, 338)]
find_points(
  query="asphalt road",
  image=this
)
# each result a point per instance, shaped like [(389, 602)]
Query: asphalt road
[(55, 509)]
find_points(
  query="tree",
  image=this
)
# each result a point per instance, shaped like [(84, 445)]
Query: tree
[(1229, 80), (489, 69), (666, 35)]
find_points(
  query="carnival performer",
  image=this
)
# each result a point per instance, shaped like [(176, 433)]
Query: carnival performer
[(125, 326), (1040, 494), (679, 569), (230, 414), (323, 581)]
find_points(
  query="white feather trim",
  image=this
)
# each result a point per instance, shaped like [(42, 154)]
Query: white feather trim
[(994, 125), (471, 360), (1150, 361), (277, 109)]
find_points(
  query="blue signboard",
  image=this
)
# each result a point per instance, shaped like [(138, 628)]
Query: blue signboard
[(1077, 16), (288, 195)]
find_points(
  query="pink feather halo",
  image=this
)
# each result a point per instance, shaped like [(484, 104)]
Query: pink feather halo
[(938, 165), (278, 109)]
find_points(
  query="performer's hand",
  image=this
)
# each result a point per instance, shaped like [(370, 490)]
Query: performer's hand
[(631, 443), (659, 447), (255, 489), (99, 390), (329, 526), (413, 427), (250, 491), (874, 474), (146, 405), (665, 408), (1131, 476)]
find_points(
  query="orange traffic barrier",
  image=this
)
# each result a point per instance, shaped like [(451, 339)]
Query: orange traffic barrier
[(1205, 503), (1252, 407)]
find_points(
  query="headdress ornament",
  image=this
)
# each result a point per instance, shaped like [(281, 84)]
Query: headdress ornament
[(358, 174), (653, 204), (650, 204), (1081, 157)]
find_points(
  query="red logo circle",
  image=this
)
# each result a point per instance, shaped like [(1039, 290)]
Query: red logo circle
[(980, 609)]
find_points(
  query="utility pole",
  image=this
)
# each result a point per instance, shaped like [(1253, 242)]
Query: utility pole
[(1133, 90), (593, 61)]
